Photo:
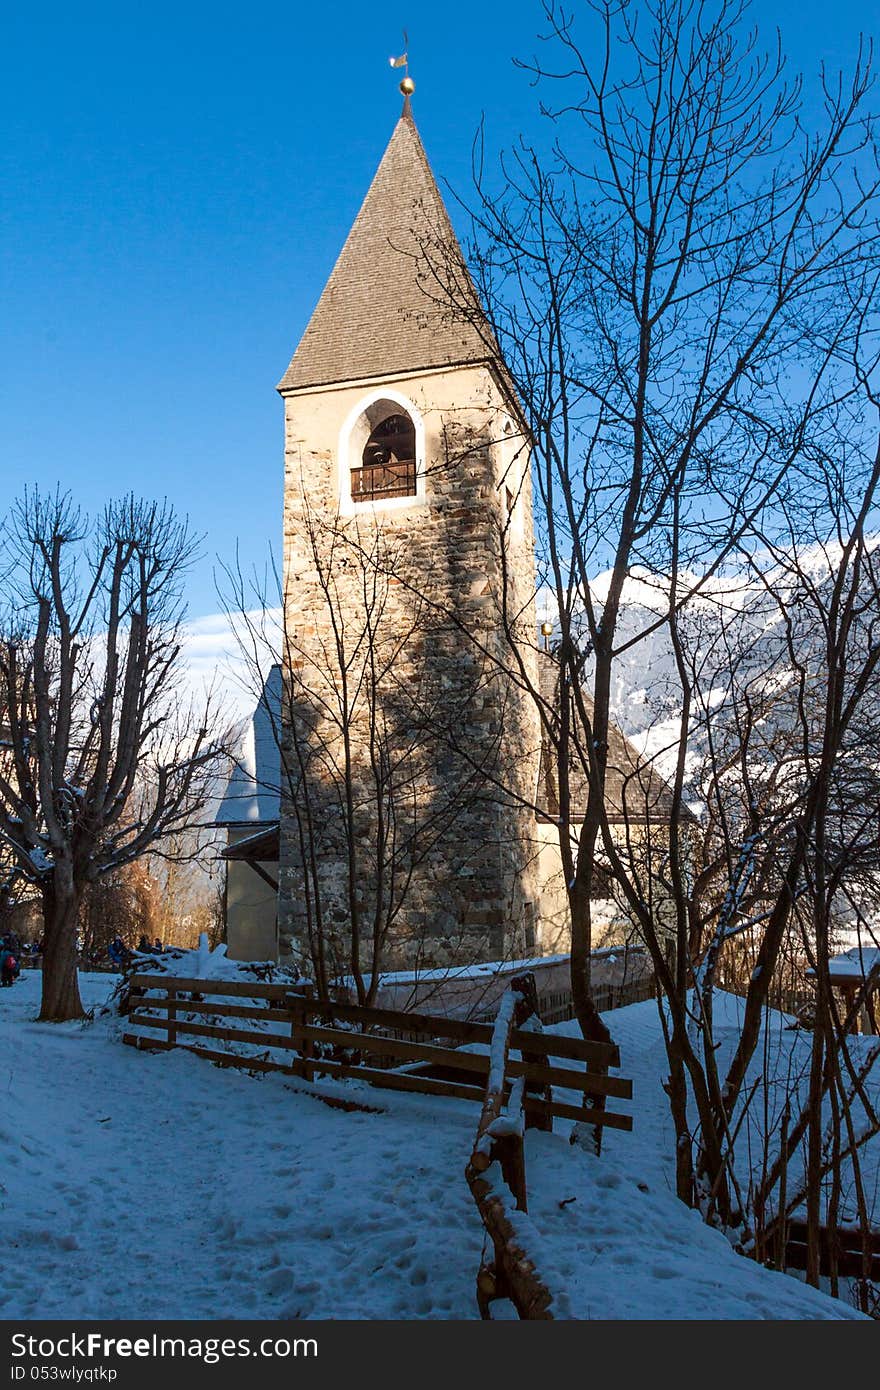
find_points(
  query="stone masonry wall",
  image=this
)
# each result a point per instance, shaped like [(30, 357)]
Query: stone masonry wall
[(402, 726)]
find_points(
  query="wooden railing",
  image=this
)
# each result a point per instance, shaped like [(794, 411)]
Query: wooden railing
[(380, 480), (557, 1006), (311, 1039), (499, 1151), (513, 1079), (496, 1171)]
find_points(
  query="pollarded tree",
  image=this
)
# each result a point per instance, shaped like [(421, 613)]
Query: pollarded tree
[(102, 755)]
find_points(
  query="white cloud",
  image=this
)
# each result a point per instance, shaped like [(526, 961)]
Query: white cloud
[(232, 657)]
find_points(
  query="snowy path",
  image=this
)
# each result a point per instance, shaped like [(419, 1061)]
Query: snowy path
[(156, 1186), (159, 1186)]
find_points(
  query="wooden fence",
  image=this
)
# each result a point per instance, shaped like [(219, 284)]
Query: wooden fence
[(841, 1251), (511, 1273), (345, 1040), (514, 1076), (496, 1171), (557, 1006)]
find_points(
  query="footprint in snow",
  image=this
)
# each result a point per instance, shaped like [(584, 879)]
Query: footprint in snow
[(280, 1280)]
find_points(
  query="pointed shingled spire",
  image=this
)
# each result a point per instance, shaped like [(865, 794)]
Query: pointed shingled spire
[(379, 313)]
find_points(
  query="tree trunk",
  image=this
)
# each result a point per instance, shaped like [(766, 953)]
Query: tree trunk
[(580, 965), (61, 1000), (676, 1089)]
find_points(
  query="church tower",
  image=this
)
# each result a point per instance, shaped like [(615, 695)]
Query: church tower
[(410, 745)]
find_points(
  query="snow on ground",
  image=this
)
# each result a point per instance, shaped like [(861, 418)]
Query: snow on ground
[(157, 1186), (783, 1050)]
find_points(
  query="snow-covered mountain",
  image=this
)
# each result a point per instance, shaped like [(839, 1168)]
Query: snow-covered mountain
[(735, 632)]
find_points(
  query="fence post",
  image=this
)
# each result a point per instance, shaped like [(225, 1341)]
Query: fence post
[(172, 1016), (529, 1019), (510, 1153), (296, 1004), (511, 1274), (507, 1149)]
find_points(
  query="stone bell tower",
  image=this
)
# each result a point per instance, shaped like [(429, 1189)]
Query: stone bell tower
[(410, 748)]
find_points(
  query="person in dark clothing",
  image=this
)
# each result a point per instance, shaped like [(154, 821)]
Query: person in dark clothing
[(10, 969), (118, 952)]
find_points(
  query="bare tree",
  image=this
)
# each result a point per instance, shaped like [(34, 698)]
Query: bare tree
[(187, 887), (103, 752), (827, 560), (683, 282)]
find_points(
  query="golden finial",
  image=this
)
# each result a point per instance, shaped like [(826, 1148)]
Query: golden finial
[(407, 86)]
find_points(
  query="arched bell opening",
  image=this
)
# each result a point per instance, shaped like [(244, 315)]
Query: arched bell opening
[(383, 454)]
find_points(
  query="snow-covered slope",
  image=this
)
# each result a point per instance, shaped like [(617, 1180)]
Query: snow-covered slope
[(158, 1186)]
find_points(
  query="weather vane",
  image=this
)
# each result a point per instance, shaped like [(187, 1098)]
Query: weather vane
[(407, 86)]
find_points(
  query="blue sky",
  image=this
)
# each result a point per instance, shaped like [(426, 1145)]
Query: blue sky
[(175, 183)]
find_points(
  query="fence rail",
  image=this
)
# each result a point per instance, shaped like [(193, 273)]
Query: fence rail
[(841, 1250), (311, 1038), (557, 1006)]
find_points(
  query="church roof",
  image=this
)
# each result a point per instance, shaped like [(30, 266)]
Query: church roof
[(634, 791), (381, 312), (252, 794)]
